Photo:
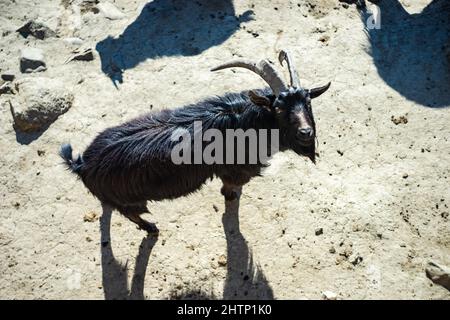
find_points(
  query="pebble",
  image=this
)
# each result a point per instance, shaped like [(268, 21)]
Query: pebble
[(222, 261), (6, 88), (73, 41), (8, 76), (319, 231), (329, 295), (82, 55), (110, 11), (32, 60), (90, 217)]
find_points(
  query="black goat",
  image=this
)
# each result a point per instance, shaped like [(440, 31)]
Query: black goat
[(129, 164)]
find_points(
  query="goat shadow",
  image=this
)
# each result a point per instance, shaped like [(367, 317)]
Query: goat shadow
[(169, 28), (115, 274), (244, 280), (412, 51)]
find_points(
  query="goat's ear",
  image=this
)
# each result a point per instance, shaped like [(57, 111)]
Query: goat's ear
[(314, 93), (259, 100)]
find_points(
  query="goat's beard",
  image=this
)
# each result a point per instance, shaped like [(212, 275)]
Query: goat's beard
[(302, 149), (306, 151)]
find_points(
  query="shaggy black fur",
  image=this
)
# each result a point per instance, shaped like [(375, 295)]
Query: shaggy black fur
[(131, 163)]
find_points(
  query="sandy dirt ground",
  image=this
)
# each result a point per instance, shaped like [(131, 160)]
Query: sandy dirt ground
[(379, 192)]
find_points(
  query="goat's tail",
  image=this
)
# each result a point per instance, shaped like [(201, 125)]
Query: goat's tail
[(73, 165)]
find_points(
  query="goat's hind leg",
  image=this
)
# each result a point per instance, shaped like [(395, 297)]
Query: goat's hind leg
[(133, 213)]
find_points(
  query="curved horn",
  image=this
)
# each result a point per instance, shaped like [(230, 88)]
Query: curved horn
[(285, 56), (263, 68)]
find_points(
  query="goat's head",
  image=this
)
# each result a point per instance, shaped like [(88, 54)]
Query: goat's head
[(290, 104)]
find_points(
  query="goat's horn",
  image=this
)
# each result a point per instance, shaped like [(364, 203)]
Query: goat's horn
[(263, 68), (285, 56)]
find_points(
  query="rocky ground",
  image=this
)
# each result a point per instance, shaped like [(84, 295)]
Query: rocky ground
[(361, 224)]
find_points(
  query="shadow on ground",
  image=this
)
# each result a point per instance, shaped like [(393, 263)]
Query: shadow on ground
[(114, 274), (244, 280), (412, 51), (169, 28)]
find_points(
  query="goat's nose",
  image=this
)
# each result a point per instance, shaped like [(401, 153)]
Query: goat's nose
[(306, 132)]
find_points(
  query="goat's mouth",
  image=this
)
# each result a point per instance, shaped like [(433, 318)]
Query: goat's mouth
[(305, 142)]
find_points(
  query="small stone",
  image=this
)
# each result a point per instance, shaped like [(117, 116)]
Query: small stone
[(82, 55), (438, 274), (355, 259), (73, 41), (37, 30), (319, 231), (110, 11), (222, 261), (215, 208), (89, 6), (88, 239), (324, 39), (90, 217), (8, 76), (329, 295), (32, 60), (399, 120), (6, 88), (332, 250)]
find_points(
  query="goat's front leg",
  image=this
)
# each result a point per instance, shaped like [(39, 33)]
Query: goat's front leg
[(231, 191)]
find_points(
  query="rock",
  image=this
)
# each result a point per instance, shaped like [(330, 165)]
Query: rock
[(324, 38), (90, 217), (32, 60), (37, 30), (438, 274), (319, 231), (110, 11), (329, 295), (8, 76), (6, 88), (222, 260), (355, 259), (39, 102), (399, 120), (89, 6), (82, 55), (73, 41)]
